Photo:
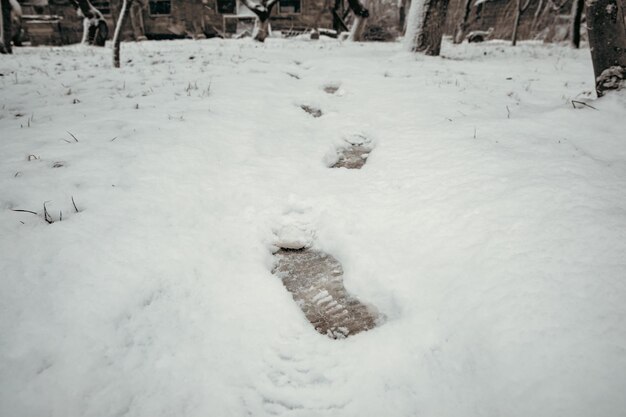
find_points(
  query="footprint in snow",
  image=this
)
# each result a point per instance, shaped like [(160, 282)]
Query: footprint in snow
[(315, 281), (353, 154), (331, 88), (313, 111)]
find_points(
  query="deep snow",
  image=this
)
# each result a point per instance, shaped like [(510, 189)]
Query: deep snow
[(488, 226)]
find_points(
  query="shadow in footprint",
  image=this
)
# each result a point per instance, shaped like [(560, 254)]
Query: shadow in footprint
[(331, 88), (315, 280), (313, 111)]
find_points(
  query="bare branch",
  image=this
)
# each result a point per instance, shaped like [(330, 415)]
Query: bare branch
[(582, 103), (25, 211), (74, 204), (72, 135), (46, 215)]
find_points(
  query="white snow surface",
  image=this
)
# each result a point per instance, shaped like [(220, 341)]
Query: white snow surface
[(488, 226)]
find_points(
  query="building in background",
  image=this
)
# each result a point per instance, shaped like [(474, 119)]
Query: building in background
[(55, 22)]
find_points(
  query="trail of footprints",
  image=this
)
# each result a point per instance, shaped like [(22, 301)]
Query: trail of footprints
[(314, 278)]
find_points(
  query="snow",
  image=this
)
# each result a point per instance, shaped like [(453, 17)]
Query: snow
[(488, 226)]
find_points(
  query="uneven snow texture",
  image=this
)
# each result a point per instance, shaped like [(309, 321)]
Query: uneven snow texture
[(488, 226)]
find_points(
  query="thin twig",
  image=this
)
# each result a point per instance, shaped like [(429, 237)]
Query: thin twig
[(74, 204), (72, 135), (47, 216), (574, 102), (25, 211)]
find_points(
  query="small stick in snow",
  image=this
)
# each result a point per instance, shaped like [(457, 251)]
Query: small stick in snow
[(72, 135), (46, 215), (74, 204), (24, 211), (574, 102), (508, 112)]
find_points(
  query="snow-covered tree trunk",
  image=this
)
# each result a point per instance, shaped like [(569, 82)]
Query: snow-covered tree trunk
[(118, 32), (607, 40), (361, 13), (577, 14), (263, 12), (262, 29), (425, 24), (401, 15), (95, 28), (5, 27)]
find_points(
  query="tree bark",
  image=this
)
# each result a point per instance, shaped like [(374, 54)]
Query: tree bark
[(520, 9), (577, 14), (118, 32), (401, 16), (607, 41), (95, 28), (263, 29), (361, 13), (5, 27), (262, 11), (425, 26), (462, 26)]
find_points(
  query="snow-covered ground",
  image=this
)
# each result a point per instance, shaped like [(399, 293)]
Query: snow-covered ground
[(488, 226)]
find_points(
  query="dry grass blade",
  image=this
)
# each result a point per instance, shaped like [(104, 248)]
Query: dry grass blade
[(72, 135)]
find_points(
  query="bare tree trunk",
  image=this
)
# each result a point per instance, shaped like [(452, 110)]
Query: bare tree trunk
[(262, 11), (95, 28), (5, 27), (401, 15), (425, 26), (520, 9), (462, 26), (263, 29), (361, 13), (357, 29), (607, 40), (118, 32), (577, 14)]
